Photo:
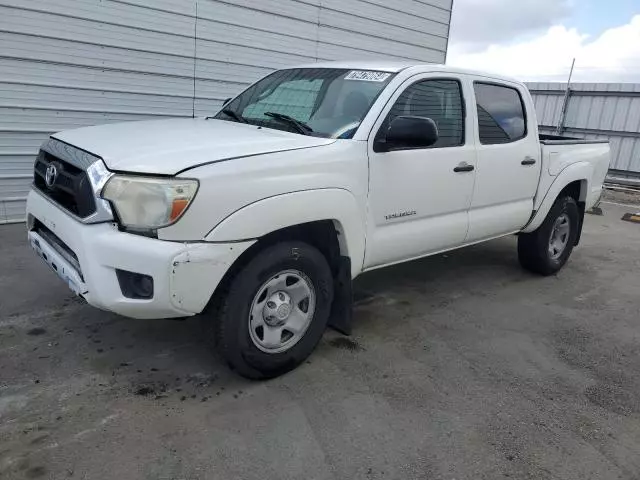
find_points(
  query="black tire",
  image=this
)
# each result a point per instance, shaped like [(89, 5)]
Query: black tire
[(231, 307), (533, 248)]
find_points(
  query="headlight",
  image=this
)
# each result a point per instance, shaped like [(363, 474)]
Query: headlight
[(149, 203)]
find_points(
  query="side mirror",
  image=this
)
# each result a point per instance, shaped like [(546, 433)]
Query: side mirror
[(410, 132), (226, 100)]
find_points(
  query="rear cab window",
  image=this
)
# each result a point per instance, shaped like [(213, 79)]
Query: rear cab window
[(501, 114)]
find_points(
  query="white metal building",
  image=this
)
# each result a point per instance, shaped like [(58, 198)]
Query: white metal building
[(598, 111), (71, 63)]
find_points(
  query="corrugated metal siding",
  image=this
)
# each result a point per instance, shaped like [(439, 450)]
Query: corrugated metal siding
[(71, 63), (596, 110)]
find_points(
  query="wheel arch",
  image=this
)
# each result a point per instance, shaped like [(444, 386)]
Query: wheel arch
[(305, 215), (572, 181)]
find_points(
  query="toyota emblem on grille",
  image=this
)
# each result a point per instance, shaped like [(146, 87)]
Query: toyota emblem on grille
[(51, 175)]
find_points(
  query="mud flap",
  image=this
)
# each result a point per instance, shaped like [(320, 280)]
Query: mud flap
[(581, 212), (341, 315)]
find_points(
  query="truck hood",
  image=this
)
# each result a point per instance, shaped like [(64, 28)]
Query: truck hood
[(168, 147)]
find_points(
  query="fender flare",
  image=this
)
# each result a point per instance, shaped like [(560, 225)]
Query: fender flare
[(281, 211), (581, 171)]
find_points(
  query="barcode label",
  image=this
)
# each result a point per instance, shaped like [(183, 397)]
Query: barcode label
[(367, 76)]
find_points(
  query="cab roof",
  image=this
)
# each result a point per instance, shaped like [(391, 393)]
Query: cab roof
[(398, 66)]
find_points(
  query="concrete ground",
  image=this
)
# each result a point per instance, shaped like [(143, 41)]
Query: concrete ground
[(462, 366)]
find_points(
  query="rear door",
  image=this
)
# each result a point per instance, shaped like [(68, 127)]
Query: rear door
[(508, 160)]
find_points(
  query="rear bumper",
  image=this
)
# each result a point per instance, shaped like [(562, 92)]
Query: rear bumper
[(185, 275)]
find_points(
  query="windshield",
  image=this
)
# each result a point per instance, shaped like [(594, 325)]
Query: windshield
[(323, 102)]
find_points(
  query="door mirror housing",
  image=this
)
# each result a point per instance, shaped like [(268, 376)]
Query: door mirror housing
[(406, 132)]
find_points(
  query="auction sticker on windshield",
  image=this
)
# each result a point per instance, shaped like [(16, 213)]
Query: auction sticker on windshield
[(367, 76)]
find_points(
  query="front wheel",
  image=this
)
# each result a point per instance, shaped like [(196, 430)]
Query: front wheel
[(546, 250), (274, 311)]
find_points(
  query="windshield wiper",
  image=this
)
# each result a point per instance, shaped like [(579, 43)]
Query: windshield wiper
[(301, 127), (234, 115)]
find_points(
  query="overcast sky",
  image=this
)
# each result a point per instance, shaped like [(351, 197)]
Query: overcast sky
[(536, 39)]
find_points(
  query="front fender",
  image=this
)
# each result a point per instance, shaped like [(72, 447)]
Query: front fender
[(581, 171), (274, 213)]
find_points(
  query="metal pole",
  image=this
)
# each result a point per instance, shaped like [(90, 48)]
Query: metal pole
[(565, 103)]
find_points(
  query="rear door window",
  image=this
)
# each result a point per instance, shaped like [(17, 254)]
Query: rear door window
[(501, 117)]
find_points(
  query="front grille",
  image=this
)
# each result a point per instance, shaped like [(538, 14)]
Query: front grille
[(71, 188)]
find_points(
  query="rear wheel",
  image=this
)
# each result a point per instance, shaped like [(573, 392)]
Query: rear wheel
[(274, 311), (547, 249)]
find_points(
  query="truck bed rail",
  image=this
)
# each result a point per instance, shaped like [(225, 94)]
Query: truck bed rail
[(547, 139)]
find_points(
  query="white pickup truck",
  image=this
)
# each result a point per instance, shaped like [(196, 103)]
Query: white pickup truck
[(258, 218)]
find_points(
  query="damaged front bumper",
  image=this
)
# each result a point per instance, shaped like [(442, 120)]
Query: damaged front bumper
[(86, 257)]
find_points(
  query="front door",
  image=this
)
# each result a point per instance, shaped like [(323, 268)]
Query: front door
[(419, 198)]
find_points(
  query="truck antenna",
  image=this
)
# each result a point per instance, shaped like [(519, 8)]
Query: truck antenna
[(565, 103)]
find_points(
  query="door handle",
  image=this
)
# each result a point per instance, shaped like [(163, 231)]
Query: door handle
[(528, 161), (464, 167)]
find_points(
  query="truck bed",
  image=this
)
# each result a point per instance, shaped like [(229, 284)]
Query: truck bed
[(560, 153)]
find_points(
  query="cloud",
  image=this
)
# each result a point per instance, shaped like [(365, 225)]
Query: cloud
[(477, 23), (613, 56)]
